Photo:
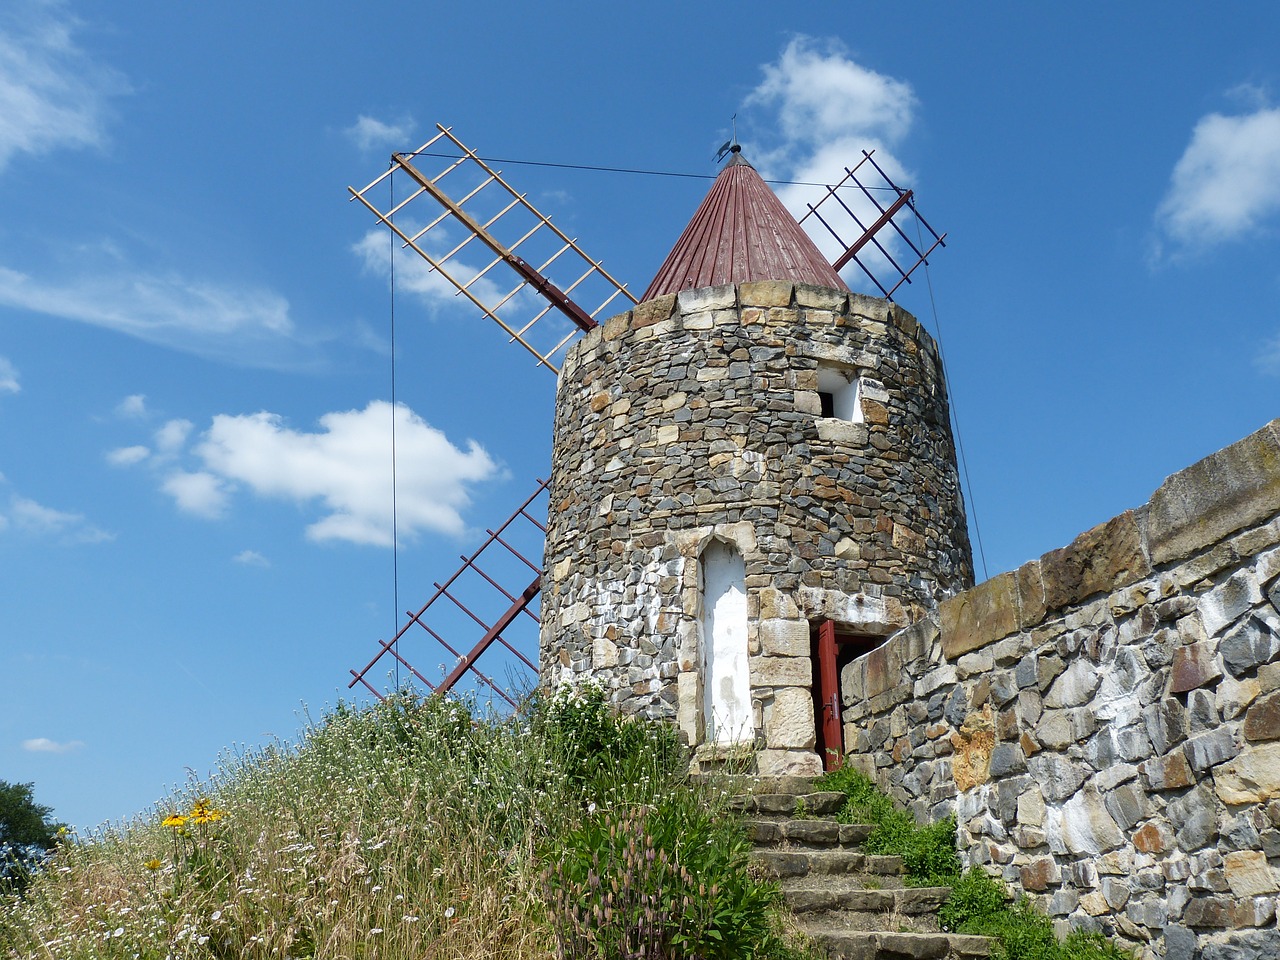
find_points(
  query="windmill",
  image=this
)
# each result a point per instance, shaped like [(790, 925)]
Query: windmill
[(491, 246)]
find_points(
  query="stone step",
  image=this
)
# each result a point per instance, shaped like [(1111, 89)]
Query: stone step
[(821, 803), (801, 863), (750, 785), (814, 894), (772, 832), (842, 944)]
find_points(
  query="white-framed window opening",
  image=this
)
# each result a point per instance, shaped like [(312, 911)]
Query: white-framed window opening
[(840, 393)]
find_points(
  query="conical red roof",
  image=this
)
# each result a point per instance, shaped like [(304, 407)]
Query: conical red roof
[(741, 232)]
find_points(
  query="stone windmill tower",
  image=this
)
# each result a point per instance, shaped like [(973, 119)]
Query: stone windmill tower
[(753, 480)]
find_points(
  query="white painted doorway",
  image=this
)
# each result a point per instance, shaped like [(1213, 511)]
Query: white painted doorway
[(726, 677)]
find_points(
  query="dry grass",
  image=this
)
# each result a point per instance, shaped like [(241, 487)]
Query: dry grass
[(404, 832)]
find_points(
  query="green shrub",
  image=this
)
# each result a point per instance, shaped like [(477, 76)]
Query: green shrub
[(665, 881), (979, 904), (928, 853)]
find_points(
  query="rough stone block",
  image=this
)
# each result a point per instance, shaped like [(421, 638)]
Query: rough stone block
[(883, 670), (653, 311), (1262, 722), (781, 672), (765, 293), (1248, 873), (1075, 686), (784, 638), (1040, 874), (1087, 828), (790, 724), (788, 763), (1170, 772), (978, 617), (1226, 491), (1194, 665), (1031, 605), (1249, 645), (1210, 749), (696, 300), (843, 432), (820, 298), (1097, 561), (1251, 777)]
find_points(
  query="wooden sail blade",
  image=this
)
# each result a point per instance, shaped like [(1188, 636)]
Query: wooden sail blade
[(560, 290)]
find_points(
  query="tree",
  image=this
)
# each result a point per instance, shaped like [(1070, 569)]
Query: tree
[(27, 831)]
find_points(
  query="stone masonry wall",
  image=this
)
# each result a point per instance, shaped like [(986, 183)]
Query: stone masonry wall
[(697, 416), (1105, 721)]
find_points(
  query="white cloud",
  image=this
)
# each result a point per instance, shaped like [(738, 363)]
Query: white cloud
[(132, 407), (368, 133), (346, 467), (127, 456), (45, 745), (33, 518), (52, 96), (1227, 182), (1268, 361), (414, 275), (251, 558), (200, 493), (172, 437), (8, 377), (821, 95), (244, 325), (817, 109)]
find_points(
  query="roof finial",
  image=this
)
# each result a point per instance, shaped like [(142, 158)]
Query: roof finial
[(731, 145)]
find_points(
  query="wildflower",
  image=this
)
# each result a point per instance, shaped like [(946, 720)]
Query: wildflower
[(202, 812), (174, 820), (449, 912), (153, 864)]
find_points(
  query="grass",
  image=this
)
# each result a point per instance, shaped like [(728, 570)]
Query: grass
[(928, 852), (414, 829)]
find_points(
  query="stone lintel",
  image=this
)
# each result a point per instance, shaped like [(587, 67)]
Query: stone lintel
[(1233, 488)]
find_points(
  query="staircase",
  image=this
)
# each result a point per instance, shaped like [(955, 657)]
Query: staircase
[(854, 905)]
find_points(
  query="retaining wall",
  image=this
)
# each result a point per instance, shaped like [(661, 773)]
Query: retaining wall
[(1105, 721)]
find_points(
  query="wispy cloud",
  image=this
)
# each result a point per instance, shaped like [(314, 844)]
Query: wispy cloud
[(127, 456), (1268, 361), (35, 519), (244, 325), (1226, 184), (414, 275), (251, 558), (45, 745), (369, 133), (8, 377), (52, 95), (132, 407), (814, 113)]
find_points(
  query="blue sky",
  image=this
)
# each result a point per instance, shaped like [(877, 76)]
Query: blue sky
[(195, 323)]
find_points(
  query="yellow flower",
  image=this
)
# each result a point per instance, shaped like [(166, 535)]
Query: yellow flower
[(201, 812), (174, 820), (153, 864)]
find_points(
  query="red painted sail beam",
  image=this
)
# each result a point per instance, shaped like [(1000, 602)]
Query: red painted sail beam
[(535, 279), (492, 633)]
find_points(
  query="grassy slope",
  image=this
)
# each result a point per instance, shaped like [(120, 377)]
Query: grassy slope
[(404, 831)]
